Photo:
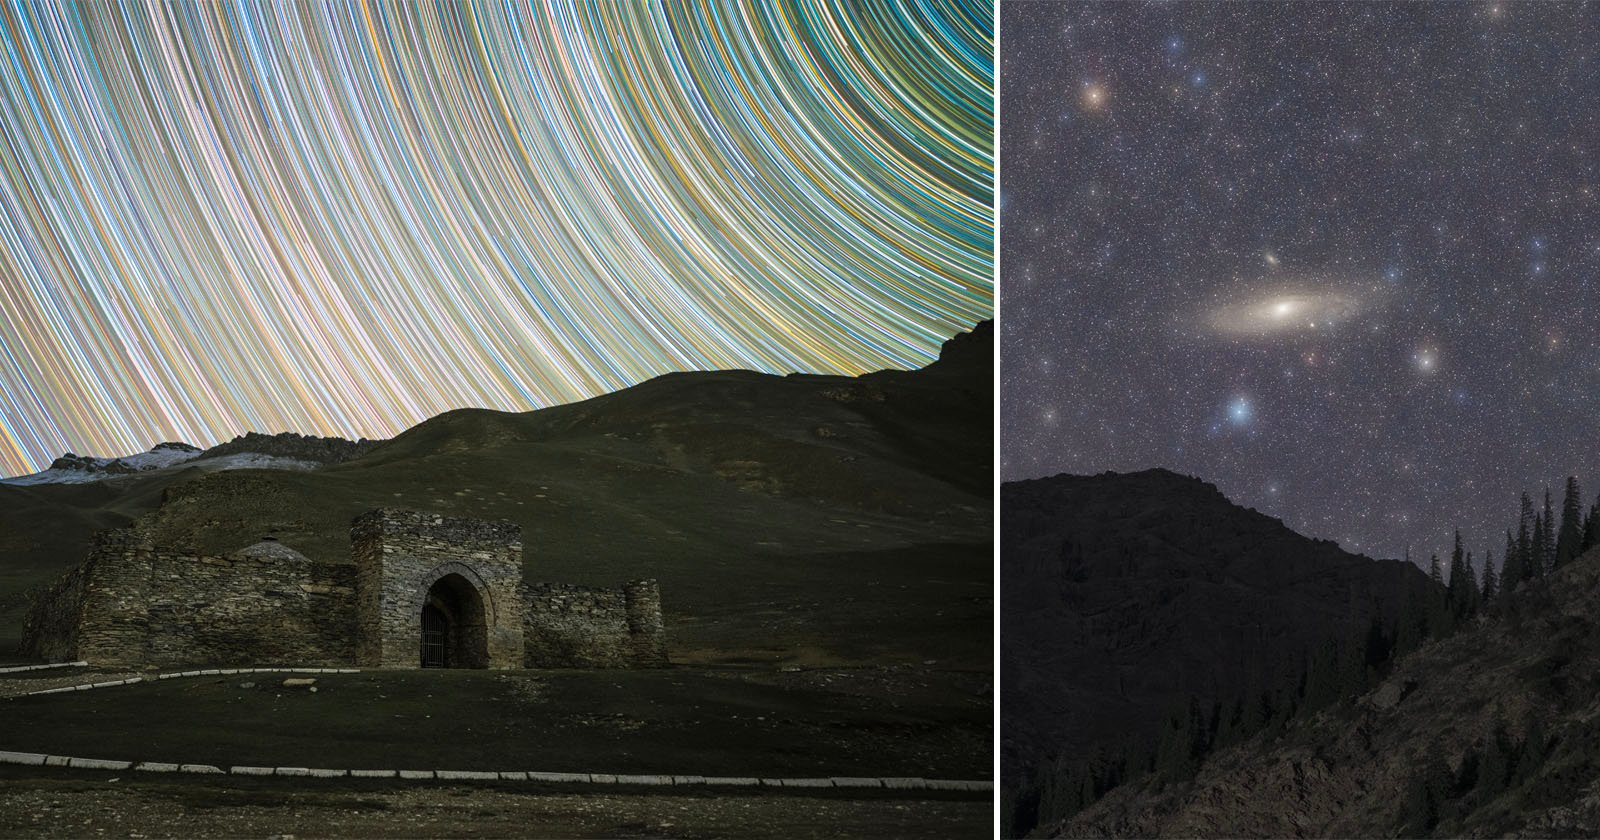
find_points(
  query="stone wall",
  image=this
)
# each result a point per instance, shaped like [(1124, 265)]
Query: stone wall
[(50, 628), (583, 627), (130, 604), (401, 554)]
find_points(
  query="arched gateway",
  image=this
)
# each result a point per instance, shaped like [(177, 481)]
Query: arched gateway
[(437, 592), (455, 627)]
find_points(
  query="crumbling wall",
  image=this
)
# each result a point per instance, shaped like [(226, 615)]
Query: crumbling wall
[(50, 626), (245, 610), (131, 604), (584, 627)]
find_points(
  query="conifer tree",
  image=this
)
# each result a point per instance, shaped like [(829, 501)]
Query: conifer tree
[(1435, 571), (1525, 540), (1569, 540), (1536, 548), (1462, 587), (1547, 536), (1491, 586), (1511, 570), (1591, 528)]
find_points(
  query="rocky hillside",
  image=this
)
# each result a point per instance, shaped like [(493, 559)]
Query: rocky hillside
[(1486, 733), (1125, 595)]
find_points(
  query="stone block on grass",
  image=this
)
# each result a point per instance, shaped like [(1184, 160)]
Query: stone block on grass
[(416, 774), (99, 764), (238, 770), (557, 777), (205, 769), (808, 783), (156, 767), (465, 775), (35, 759), (959, 784)]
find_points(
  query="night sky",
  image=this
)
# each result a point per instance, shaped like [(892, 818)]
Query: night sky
[(344, 218), (1340, 260)]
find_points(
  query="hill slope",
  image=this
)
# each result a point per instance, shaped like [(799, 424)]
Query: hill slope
[(807, 518), (1487, 733), (1124, 595)]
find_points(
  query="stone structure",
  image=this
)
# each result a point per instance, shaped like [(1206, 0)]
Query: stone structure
[(423, 590)]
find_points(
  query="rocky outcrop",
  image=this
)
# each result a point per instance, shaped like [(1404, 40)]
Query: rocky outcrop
[(320, 450), (159, 456)]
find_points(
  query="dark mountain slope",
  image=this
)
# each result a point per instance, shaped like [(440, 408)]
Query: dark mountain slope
[(813, 518), (1487, 733), (1124, 595)]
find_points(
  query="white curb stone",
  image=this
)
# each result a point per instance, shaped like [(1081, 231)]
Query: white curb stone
[(416, 774), (21, 758), (55, 761), (808, 783), (250, 771), (557, 777), (856, 782), (209, 769), (603, 778), (956, 784), (98, 764), (292, 771), (156, 767), (688, 780), (324, 773), (372, 774), (464, 774), (644, 780), (514, 775), (732, 780), (905, 784)]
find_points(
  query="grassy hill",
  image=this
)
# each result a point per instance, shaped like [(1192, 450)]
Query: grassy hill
[(816, 519)]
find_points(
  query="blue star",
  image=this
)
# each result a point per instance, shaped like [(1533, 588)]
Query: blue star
[(1240, 411)]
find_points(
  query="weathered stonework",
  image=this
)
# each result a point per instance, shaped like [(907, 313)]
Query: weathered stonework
[(575, 627), (131, 603), (402, 555)]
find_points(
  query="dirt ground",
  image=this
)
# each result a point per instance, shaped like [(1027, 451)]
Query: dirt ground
[(871, 721), (77, 804)]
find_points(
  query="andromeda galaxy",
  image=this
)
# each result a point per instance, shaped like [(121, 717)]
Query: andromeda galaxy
[(1284, 311)]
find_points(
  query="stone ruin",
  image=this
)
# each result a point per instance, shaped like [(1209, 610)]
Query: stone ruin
[(422, 591)]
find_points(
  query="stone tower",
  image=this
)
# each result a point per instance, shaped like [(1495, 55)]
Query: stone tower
[(461, 577)]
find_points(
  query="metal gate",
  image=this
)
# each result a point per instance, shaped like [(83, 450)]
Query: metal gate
[(435, 630)]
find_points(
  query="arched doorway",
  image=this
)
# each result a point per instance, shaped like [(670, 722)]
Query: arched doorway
[(454, 629)]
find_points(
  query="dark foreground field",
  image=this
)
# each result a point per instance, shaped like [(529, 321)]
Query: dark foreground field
[(873, 721), (101, 804)]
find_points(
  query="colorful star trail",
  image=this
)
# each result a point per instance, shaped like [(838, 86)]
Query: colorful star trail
[(345, 218)]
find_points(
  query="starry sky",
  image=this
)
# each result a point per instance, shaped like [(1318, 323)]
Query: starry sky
[(344, 218), (1341, 260)]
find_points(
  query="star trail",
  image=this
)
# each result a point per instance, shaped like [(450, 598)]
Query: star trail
[(344, 218), (1339, 259)]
